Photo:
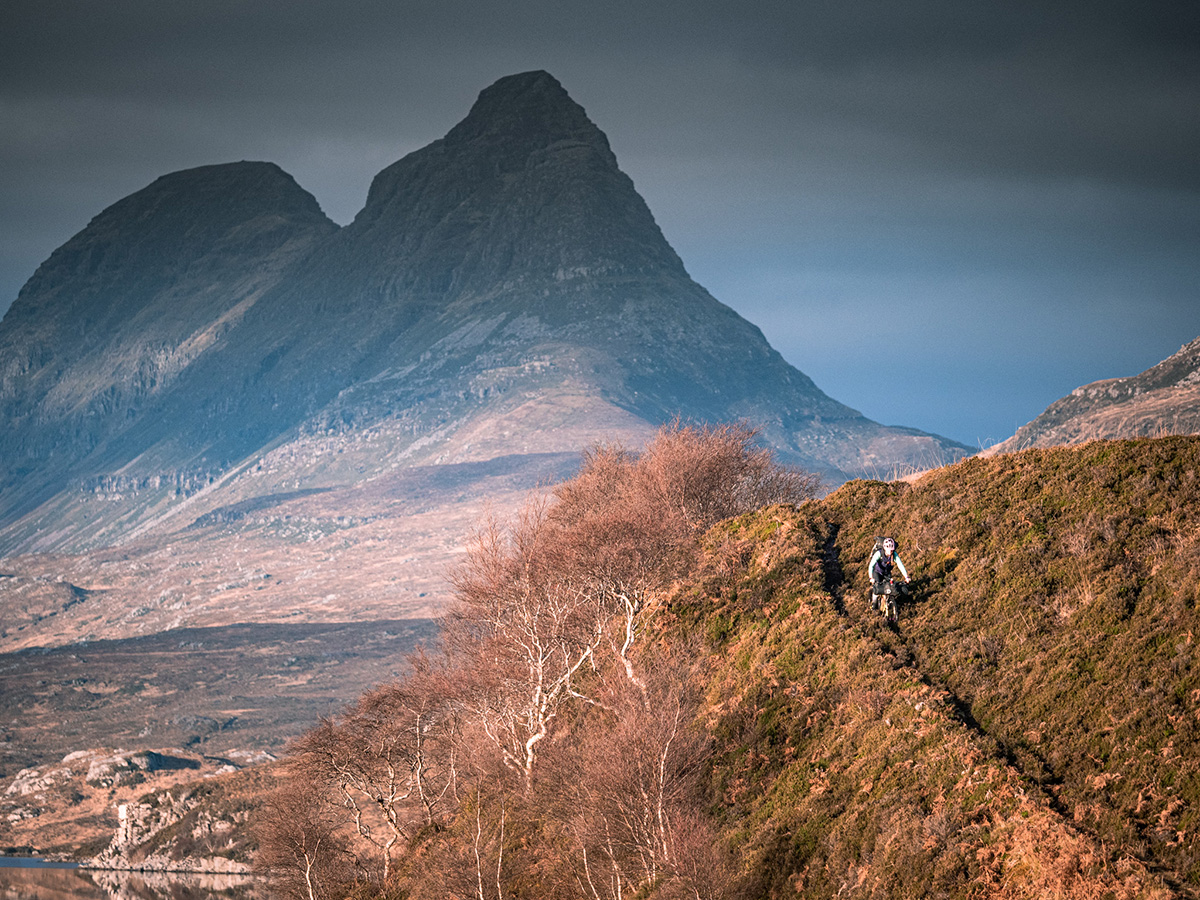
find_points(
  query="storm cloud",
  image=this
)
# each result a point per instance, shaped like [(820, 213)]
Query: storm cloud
[(948, 214)]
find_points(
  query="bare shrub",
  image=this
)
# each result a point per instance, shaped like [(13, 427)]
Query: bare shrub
[(711, 473), (637, 515), (303, 843), (630, 792), (628, 524), (540, 652), (389, 762), (703, 869), (473, 864), (521, 629), (535, 601)]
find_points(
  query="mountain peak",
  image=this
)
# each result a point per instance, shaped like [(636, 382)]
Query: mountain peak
[(122, 310), (241, 209), (522, 81), (214, 197), (504, 290), (531, 106), (538, 86), (524, 189)]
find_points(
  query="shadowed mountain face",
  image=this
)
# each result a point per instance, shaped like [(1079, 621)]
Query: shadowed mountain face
[(1165, 399), (505, 290), (109, 324)]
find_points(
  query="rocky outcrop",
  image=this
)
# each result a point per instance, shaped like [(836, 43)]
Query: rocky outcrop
[(138, 844), (165, 810), (131, 768), (1163, 400)]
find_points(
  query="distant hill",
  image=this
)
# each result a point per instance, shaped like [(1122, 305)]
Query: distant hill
[(504, 291), (1165, 399)]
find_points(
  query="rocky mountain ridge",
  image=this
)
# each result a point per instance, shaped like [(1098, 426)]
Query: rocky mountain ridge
[(1164, 399)]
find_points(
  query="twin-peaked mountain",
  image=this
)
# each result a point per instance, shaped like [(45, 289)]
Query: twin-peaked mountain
[(504, 291)]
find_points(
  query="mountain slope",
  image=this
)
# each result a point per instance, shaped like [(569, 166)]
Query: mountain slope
[(1031, 728), (116, 316), (1165, 399)]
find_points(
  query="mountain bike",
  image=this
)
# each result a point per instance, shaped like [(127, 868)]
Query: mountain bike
[(889, 600)]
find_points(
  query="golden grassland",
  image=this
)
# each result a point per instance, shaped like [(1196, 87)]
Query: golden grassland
[(1031, 727)]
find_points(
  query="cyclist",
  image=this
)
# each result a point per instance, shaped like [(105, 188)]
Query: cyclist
[(880, 567)]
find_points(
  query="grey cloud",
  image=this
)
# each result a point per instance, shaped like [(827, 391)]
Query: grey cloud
[(868, 150)]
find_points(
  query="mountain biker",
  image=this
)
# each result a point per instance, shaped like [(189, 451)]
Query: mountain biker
[(880, 568)]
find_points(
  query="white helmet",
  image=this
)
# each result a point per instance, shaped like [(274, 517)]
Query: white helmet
[(889, 546)]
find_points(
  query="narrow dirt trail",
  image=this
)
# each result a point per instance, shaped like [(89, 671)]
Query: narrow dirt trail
[(1040, 778)]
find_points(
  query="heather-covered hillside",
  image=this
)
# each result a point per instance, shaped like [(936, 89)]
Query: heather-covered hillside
[(729, 719), (1030, 729), (1059, 606)]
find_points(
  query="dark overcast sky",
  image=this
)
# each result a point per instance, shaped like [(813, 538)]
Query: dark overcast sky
[(948, 213)]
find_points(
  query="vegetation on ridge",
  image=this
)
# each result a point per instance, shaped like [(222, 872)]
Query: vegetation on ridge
[(729, 719), (1059, 605)]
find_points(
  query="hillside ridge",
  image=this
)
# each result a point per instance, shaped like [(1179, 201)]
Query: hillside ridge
[(1164, 399), (1029, 728)]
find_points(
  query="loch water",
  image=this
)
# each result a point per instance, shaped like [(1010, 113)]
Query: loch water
[(36, 880)]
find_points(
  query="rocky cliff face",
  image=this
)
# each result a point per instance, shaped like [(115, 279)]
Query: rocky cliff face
[(1165, 399), (504, 291)]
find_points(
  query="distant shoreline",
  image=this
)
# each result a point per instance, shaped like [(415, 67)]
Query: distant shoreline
[(33, 862), (151, 870)]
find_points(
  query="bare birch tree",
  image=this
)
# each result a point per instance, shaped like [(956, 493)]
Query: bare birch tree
[(535, 601), (628, 524), (525, 631), (631, 792), (302, 843), (390, 761)]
